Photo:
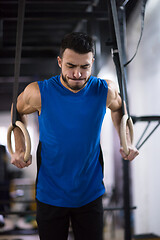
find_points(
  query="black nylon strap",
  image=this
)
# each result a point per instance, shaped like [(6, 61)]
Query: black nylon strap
[(119, 75), (143, 6), (19, 36), (118, 58)]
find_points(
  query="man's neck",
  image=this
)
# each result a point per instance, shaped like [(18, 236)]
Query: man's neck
[(66, 86)]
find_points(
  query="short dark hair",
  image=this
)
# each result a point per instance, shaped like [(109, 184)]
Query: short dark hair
[(79, 42)]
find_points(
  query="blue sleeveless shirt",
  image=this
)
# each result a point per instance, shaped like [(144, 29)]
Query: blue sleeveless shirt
[(69, 171)]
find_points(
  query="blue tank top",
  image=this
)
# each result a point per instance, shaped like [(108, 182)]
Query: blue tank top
[(69, 171)]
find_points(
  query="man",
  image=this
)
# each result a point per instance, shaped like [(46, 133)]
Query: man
[(71, 109)]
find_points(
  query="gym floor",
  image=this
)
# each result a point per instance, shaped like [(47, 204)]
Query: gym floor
[(119, 236), (110, 232), (35, 237)]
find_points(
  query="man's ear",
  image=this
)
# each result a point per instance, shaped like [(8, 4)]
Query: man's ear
[(59, 61)]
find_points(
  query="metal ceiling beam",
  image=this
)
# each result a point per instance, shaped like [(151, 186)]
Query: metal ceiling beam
[(44, 6), (56, 15), (29, 52), (33, 43), (34, 67), (37, 33), (41, 26), (50, 2)]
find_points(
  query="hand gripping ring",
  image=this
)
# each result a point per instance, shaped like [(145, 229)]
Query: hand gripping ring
[(124, 122), (26, 136)]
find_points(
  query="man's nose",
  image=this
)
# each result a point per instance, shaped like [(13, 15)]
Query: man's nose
[(77, 73)]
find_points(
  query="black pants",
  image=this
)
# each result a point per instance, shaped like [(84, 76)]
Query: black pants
[(87, 221)]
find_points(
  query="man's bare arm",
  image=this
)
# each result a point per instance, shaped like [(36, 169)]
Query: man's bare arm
[(114, 103), (28, 101)]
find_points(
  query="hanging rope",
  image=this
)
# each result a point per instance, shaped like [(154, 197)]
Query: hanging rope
[(19, 37), (15, 123)]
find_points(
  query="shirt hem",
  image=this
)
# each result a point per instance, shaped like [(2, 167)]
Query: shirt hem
[(56, 204)]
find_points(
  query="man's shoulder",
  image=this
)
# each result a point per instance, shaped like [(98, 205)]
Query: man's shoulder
[(47, 80), (112, 87), (98, 80), (31, 91)]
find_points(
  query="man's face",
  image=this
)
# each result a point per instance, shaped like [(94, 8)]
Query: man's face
[(75, 69)]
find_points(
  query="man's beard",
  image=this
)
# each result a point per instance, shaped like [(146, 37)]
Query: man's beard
[(76, 87)]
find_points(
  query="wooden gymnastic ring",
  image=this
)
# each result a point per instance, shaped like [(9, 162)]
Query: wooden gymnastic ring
[(26, 136), (124, 122)]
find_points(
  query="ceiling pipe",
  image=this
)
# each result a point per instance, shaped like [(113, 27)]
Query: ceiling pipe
[(123, 3), (88, 9)]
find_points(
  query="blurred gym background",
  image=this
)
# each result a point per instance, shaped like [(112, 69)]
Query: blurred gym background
[(46, 22)]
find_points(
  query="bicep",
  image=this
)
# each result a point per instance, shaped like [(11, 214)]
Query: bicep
[(29, 100), (116, 104), (114, 101)]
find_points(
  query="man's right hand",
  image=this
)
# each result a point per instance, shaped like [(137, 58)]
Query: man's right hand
[(17, 159)]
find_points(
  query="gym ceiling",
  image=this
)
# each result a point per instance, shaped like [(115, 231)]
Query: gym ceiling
[(45, 24)]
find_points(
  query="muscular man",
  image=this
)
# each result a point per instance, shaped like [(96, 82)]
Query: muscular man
[(71, 108)]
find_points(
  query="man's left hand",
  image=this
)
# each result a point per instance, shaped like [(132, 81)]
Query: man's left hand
[(133, 152)]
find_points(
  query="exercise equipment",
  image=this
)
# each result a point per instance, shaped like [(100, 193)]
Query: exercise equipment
[(117, 54), (150, 236), (26, 136), (15, 123), (149, 120), (119, 57)]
